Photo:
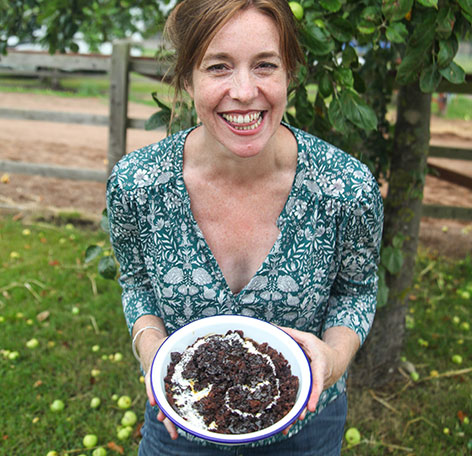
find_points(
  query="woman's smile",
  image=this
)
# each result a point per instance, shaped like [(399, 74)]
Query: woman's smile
[(248, 123)]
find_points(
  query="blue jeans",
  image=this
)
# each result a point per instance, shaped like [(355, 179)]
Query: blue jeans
[(321, 436)]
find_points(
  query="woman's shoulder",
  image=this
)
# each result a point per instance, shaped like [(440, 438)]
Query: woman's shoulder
[(334, 172), (155, 163)]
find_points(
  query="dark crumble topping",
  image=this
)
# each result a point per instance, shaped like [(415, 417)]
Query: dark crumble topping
[(249, 389)]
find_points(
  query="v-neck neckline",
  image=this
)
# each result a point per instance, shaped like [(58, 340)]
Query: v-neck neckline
[(280, 222)]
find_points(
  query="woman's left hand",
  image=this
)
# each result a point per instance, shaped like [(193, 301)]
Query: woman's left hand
[(329, 358)]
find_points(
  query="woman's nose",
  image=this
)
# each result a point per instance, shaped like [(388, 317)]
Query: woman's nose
[(243, 87)]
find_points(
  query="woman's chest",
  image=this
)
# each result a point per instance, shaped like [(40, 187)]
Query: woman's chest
[(239, 228)]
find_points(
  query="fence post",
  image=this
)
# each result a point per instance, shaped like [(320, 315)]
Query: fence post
[(118, 102)]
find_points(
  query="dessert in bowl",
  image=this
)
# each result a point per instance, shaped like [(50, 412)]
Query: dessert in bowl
[(231, 379)]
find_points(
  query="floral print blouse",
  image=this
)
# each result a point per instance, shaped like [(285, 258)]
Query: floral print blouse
[(320, 272)]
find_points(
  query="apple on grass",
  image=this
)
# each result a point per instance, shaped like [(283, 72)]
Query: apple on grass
[(90, 440), (32, 343), (353, 436), (124, 402), (95, 402), (129, 418), (457, 359), (124, 433), (100, 451), (57, 405)]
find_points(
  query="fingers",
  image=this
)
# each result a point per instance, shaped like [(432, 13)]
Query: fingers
[(171, 429), (150, 395)]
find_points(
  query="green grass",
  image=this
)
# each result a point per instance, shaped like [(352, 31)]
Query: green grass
[(140, 87), (459, 107), (426, 417), (43, 276)]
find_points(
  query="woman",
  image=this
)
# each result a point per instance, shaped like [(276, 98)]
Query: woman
[(244, 214)]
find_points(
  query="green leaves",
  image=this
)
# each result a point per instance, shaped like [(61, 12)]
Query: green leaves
[(430, 78), (418, 50), (160, 118), (453, 73), (107, 267), (447, 51), (428, 3), (370, 20), (317, 40), (397, 32), (396, 10), (92, 252), (357, 111), (332, 5), (350, 107)]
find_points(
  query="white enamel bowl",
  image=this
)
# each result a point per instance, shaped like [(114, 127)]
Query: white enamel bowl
[(257, 330)]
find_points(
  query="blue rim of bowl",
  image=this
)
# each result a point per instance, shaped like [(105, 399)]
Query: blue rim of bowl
[(215, 438)]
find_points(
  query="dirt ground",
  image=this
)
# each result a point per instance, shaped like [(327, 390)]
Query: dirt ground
[(86, 147)]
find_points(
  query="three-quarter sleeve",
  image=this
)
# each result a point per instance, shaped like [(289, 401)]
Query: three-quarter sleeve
[(138, 297), (353, 296)]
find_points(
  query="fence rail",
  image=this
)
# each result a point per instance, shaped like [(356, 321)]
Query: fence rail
[(118, 66)]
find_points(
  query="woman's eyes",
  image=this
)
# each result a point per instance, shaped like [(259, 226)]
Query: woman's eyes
[(267, 66), (223, 67), (217, 67)]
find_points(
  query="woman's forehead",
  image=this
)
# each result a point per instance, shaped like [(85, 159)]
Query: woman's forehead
[(248, 31)]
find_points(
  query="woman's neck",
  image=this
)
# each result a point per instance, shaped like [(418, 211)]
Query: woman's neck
[(214, 162)]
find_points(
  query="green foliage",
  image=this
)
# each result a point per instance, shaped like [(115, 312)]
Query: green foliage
[(59, 23), (107, 264)]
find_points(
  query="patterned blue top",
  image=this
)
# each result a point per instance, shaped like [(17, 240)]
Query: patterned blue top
[(320, 273)]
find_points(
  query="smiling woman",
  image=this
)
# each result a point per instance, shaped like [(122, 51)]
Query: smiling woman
[(245, 215)]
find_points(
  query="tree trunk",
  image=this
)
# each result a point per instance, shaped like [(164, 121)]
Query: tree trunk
[(380, 355)]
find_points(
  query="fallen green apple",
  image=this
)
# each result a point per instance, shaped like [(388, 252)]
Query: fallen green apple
[(90, 440), (32, 343), (57, 405), (352, 436), (129, 418), (117, 357), (100, 451), (95, 402), (123, 434), (457, 359), (124, 402)]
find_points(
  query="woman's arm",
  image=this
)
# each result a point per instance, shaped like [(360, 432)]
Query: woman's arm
[(147, 344)]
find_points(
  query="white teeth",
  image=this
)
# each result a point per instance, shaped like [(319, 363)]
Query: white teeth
[(240, 119)]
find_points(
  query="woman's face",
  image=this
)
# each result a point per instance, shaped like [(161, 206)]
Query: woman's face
[(240, 87)]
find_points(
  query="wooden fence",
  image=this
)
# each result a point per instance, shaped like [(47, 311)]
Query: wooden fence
[(118, 66)]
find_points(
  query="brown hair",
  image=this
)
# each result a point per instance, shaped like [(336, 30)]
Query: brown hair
[(194, 23)]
